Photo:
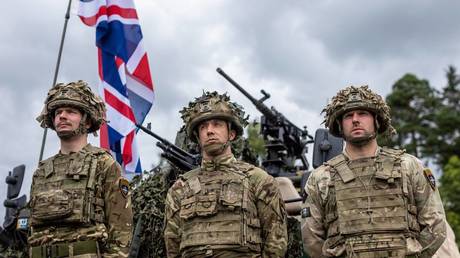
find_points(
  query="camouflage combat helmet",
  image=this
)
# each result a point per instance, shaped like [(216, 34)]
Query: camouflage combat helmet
[(212, 105), (352, 98), (75, 94)]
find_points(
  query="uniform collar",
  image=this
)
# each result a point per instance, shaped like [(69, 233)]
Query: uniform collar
[(218, 163), (85, 149), (377, 152)]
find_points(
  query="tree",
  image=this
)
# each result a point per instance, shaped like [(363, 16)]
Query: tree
[(413, 103), (427, 122), (450, 193), (256, 140), (447, 119)]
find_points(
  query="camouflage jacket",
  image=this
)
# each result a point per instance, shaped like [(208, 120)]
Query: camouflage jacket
[(247, 221), (418, 192), (90, 180)]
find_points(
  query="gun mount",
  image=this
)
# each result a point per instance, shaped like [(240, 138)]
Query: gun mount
[(175, 155), (285, 142)]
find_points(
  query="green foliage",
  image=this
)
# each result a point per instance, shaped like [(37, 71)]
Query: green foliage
[(450, 193), (256, 140), (148, 201), (427, 122), (413, 104), (295, 242), (448, 119)]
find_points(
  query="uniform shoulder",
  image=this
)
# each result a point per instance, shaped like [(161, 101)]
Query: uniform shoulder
[(45, 165), (190, 174), (392, 151), (47, 161), (255, 172), (411, 164), (411, 158), (96, 150), (181, 181), (320, 174), (244, 166), (320, 171)]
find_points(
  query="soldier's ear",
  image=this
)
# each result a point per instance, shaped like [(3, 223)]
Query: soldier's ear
[(232, 135), (88, 123)]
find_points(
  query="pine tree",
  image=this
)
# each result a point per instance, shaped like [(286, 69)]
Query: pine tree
[(450, 193), (413, 103)]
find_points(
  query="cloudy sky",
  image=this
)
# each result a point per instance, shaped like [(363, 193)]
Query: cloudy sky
[(301, 52)]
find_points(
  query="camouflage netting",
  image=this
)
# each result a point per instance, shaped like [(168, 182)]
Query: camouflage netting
[(148, 201), (213, 105), (9, 252), (295, 246), (76, 94), (352, 98)]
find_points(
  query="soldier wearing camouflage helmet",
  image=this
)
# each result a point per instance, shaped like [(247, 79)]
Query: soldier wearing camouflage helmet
[(225, 208), (370, 201), (80, 205)]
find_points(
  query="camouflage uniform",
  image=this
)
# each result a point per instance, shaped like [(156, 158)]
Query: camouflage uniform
[(225, 208), (449, 248), (80, 205), (381, 206)]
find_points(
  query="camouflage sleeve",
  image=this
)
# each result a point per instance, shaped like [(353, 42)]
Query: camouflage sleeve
[(313, 229), (172, 220), (430, 211), (118, 211), (270, 206)]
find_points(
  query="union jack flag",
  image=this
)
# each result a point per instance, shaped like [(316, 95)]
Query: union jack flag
[(125, 82)]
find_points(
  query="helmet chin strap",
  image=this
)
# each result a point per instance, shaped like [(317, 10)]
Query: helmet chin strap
[(361, 141)]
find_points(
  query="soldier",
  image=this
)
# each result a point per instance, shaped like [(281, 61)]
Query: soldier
[(80, 205), (225, 208), (370, 201)]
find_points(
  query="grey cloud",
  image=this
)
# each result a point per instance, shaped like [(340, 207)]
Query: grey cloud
[(300, 51)]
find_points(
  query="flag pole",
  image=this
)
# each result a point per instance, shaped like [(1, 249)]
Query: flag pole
[(56, 71)]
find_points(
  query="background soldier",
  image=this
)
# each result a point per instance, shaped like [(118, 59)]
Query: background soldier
[(225, 208), (79, 202), (370, 201)]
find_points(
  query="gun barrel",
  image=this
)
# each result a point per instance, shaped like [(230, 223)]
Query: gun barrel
[(234, 83), (258, 103), (149, 132)]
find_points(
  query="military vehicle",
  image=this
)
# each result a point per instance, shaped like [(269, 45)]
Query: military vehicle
[(13, 234)]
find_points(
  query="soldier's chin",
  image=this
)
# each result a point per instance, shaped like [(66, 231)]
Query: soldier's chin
[(65, 134), (360, 140), (214, 149)]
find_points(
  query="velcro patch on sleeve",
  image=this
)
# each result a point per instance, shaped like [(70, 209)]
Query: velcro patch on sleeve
[(123, 185), (430, 178), (305, 212)]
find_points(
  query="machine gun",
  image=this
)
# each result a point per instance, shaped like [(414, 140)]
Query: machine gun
[(13, 235), (177, 156), (285, 142)]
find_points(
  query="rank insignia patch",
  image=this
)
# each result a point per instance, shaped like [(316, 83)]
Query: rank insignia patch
[(429, 176), (123, 185)]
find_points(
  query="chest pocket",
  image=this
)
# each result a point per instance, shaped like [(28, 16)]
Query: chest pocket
[(79, 167), (231, 194), (198, 205), (51, 205), (388, 177)]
